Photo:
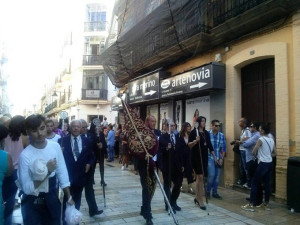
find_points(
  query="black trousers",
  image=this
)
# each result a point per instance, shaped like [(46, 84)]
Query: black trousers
[(89, 191), (146, 197), (176, 177), (251, 167)]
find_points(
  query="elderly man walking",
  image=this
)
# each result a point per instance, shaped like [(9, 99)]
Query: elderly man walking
[(79, 158)]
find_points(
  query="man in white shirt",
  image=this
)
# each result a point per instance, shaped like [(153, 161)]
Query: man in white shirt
[(104, 122), (40, 206), (244, 136)]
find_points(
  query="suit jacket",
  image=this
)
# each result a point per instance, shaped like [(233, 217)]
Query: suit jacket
[(76, 169), (169, 159)]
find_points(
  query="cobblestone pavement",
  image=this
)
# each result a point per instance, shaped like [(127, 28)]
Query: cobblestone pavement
[(123, 201)]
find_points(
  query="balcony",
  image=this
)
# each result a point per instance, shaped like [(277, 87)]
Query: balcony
[(91, 60), (62, 99), (94, 94), (176, 32), (95, 26), (233, 19), (51, 106)]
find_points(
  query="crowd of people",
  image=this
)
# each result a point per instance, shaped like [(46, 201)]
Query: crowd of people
[(45, 160)]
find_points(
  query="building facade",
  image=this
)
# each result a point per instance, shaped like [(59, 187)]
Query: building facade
[(225, 59), (82, 89)]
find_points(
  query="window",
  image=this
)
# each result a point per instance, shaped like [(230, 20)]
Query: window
[(94, 79)]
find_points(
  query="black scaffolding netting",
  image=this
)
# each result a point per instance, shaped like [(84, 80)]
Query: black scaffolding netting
[(146, 32), (149, 34)]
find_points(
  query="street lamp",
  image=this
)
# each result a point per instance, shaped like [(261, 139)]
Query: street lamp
[(54, 94)]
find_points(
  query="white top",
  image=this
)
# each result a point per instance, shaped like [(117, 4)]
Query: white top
[(245, 133), (55, 138), (51, 151), (264, 153)]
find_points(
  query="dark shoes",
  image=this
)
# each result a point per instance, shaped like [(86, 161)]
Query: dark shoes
[(103, 183), (149, 222), (217, 196), (176, 207), (201, 207), (239, 182), (96, 214), (167, 208)]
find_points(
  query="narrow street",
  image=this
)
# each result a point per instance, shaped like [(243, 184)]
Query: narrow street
[(123, 201)]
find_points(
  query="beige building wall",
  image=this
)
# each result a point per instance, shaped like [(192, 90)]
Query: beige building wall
[(282, 44), (296, 83)]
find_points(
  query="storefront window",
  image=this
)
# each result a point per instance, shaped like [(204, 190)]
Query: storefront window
[(198, 107)]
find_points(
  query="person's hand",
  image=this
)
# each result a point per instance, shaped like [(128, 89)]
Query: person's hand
[(51, 165), (87, 168), (220, 162), (215, 159), (99, 145), (198, 138), (70, 201), (169, 146), (182, 169)]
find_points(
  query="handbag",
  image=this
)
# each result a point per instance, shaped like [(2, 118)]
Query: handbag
[(236, 149)]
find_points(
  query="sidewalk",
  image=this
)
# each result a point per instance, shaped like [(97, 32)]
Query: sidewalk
[(123, 201)]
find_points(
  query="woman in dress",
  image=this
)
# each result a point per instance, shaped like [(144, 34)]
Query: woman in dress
[(199, 143), (6, 167), (183, 139), (196, 115)]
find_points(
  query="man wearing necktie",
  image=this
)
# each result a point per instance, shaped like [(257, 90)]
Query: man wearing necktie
[(88, 188), (79, 158), (171, 165)]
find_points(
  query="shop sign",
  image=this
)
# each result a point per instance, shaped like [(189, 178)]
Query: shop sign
[(92, 93), (211, 76), (145, 88), (116, 103)]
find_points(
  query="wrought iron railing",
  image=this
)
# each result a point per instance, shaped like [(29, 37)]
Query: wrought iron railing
[(223, 10), (91, 60), (51, 106), (62, 99), (95, 26)]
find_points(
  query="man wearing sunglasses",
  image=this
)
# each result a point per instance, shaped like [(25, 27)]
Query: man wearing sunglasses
[(215, 163)]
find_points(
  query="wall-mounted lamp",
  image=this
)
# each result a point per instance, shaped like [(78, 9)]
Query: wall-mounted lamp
[(54, 94), (218, 57)]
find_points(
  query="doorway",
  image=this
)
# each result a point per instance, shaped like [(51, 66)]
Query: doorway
[(258, 96)]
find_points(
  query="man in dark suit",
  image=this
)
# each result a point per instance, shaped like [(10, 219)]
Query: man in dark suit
[(79, 158), (171, 164), (88, 188)]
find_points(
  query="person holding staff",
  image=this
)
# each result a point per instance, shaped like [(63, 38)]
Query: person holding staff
[(199, 143)]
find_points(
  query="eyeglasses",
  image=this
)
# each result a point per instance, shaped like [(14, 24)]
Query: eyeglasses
[(217, 125)]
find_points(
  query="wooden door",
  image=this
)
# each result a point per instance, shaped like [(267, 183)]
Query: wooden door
[(258, 97), (258, 92)]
